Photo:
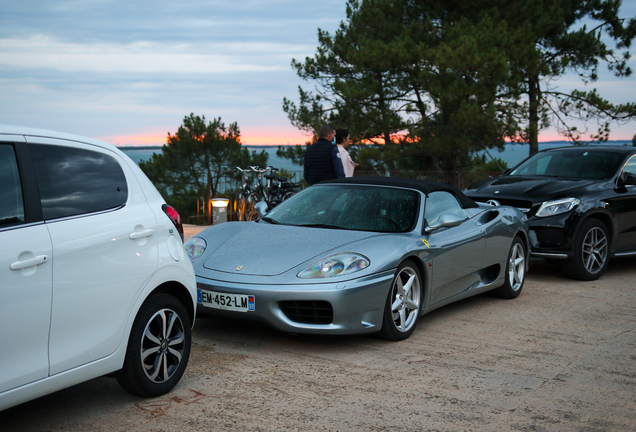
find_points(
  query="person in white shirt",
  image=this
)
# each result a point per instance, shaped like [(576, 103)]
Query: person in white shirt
[(342, 142)]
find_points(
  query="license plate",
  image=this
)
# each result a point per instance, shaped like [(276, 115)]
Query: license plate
[(225, 301)]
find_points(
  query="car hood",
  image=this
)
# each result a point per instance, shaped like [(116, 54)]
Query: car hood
[(261, 249), (535, 189)]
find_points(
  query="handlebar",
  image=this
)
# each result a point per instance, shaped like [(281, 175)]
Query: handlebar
[(262, 170)]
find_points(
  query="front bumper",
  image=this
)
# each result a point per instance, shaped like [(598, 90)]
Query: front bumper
[(356, 305), (552, 237)]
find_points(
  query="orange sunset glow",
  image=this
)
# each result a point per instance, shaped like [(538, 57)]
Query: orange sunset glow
[(246, 139), (271, 138)]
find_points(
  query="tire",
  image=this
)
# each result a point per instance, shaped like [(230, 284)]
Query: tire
[(591, 252), (158, 349), (403, 303), (515, 271), (240, 204)]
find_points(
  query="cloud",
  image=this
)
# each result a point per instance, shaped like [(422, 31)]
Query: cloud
[(46, 52), (117, 68)]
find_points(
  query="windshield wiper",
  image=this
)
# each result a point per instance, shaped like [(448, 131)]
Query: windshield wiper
[(270, 220), (323, 226)]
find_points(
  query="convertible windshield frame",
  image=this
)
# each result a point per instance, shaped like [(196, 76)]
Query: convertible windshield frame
[(373, 208)]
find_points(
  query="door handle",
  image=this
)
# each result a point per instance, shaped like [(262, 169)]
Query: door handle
[(19, 265), (141, 234)]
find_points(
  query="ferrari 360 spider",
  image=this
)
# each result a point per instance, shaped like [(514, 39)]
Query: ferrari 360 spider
[(360, 255)]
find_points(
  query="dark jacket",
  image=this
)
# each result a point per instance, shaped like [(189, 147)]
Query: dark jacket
[(322, 162)]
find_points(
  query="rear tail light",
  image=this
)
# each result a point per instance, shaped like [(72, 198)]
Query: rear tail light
[(174, 217)]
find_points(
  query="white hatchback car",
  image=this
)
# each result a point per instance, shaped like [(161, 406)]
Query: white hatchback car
[(94, 279)]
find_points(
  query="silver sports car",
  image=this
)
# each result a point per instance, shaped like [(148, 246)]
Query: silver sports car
[(360, 255)]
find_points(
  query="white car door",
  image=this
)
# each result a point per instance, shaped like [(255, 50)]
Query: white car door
[(25, 283), (103, 256)]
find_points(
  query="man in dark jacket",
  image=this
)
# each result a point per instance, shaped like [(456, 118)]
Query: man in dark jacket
[(322, 158)]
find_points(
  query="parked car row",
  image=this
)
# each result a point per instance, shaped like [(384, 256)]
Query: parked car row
[(95, 278), (372, 255)]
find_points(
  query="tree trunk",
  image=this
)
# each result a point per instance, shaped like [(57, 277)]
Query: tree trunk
[(390, 163), (533, 115)]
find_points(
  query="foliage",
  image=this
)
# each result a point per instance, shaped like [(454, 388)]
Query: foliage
[(494, 165), (424, 85), (562, 41), (420, 84), (195, 160)]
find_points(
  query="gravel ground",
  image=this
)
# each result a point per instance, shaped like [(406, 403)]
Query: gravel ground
[(561, 357)]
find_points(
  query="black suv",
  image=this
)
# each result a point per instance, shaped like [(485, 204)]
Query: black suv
[(580, 202)]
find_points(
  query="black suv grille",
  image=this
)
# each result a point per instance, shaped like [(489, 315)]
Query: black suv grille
[(308, 312)]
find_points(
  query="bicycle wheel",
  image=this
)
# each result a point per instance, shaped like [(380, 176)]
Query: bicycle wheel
[(287, 195), (240, 205), (250, 213)]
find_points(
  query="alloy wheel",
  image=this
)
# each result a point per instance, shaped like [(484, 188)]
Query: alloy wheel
[(162, 345), (405, 299), (595, 250), (516, 267)]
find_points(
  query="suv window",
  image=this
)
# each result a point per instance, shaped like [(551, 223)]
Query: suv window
[(630, 168), (11, 204), (75, 181)]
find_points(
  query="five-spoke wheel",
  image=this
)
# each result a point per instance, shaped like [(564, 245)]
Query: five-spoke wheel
[(515, 271), (403, 303)]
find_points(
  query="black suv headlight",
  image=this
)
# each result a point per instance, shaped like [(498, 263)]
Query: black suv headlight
[(555, 207)]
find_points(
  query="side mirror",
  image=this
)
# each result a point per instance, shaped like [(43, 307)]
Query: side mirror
[(447, 220), (629, 179), (261, 208)]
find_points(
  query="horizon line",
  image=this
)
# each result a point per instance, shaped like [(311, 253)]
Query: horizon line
[(144, 146)]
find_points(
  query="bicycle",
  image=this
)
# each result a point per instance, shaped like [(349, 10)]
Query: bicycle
[(246, 198), (277, 189)]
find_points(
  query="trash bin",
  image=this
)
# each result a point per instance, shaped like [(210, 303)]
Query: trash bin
[(219, 210)]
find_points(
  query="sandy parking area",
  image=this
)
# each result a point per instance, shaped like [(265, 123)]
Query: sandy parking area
[(561, 357), (190, 230)]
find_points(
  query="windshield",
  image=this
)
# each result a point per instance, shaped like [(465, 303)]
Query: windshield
[(586, 164), (352, 207)]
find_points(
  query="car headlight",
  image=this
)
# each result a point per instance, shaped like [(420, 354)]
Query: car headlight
[(335, 265), (195, 248), (555, 207)]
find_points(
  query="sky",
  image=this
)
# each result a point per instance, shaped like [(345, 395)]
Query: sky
[(129, 71)]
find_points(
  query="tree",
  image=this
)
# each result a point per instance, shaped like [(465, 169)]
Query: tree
[(425, 84), (197, 157), (563, 44)]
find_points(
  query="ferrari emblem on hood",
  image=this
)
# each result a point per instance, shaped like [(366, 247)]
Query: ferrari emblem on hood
[(238, 268)]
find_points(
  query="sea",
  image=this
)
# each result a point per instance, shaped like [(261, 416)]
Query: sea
[(281, 163), (512, 153)]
